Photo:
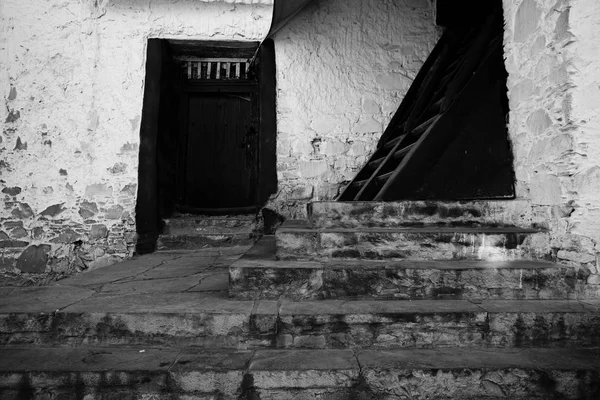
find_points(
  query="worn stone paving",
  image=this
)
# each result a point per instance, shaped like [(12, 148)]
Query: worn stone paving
[(163, 326), (181, 298), (201, 272), (286, 374)]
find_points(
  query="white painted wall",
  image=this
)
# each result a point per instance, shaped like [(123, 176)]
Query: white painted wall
[(343, 67), (72, 81), (553, 61)]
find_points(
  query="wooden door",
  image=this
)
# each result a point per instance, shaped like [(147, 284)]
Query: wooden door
[(220, 153)]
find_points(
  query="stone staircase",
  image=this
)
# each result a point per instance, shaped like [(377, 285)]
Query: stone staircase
[(301, 320)]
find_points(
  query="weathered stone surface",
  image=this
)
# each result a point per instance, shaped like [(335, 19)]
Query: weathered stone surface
[(292, 374), (12, 243), (255, 280), (34, 259), (88, 209), (22, 211), (18, 233), (53, 210), (296, 240), (327, 214), (198, 241), (455, 374), (267, 279), (12, 191), (331, 324), (66, 236), (98, 231), (114, 212)]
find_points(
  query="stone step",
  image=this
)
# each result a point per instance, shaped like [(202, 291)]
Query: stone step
[(483, 213), (189, 224), (429, 324), (298, 240), (299, 374), (189, 232), (204, 240), (195, 319), (258, 275)]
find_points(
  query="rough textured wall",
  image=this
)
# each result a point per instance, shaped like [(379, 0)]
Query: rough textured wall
[(72, 76), (553, 65), (343, 67), (585, 116)]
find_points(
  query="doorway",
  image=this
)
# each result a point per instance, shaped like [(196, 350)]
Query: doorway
[(219, 162), (207, 138)]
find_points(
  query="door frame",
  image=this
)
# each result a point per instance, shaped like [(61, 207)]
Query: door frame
[(159, 54)]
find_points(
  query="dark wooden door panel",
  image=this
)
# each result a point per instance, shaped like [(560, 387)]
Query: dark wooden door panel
[(220, 171)]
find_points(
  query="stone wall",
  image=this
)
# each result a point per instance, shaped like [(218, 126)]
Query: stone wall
[(343, 67), (72, 75), (551, 50)]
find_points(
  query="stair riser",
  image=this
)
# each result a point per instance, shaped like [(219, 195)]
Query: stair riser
[(225, 330), (201, 385), (366, 383), (423, 213), (298, 245), (466, 329), (385, 329), (193, 242), (402, 284)]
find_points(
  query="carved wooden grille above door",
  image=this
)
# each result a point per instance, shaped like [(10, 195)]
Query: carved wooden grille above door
[(221, 69)]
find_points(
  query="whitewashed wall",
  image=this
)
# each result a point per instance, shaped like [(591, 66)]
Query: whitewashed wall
[(553, 61), (343, 67), (72, 77)]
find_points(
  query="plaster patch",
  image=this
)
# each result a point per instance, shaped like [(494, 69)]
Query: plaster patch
[(526, 20)]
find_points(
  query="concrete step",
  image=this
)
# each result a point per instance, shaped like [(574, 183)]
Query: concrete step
[(298, 240), (369, 214), (188, 232), (299, 374)]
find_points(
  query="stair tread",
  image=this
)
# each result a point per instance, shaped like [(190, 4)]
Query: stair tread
[(405, 264), (42, 359), (304, 226)]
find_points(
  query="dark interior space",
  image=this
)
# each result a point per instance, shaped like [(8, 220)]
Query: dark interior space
[(448, 140), (207, 132), (477, 163)]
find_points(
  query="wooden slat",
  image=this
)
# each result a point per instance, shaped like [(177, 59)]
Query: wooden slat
[(383, 178), (396, 156), (423, 127), (392, 143)]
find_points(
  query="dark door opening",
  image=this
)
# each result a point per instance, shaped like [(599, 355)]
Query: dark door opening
[(219, 171), (207, 137), (449, 138)]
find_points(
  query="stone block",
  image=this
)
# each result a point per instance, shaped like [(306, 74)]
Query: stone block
[(98, 231), (53, 210), (34, 259)]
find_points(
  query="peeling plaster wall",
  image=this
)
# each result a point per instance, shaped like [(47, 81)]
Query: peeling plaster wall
[(585, 114), (72, 77), (553, 61), (343, 67)]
